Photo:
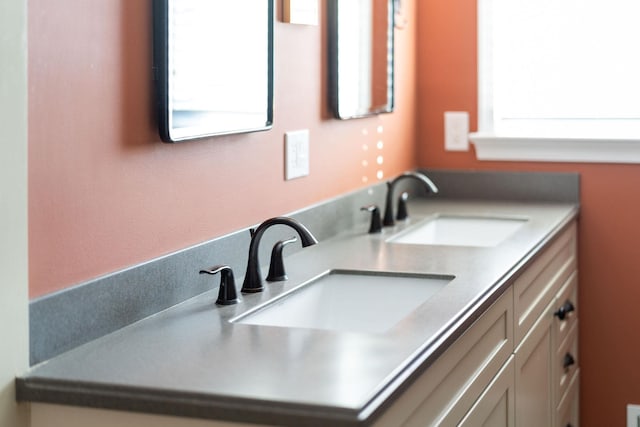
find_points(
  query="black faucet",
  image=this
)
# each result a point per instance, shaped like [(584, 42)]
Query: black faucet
[(253, 278), (388, 210)]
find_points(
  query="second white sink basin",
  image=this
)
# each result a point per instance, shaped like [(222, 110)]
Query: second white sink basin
[(460, 231), (356, 301)]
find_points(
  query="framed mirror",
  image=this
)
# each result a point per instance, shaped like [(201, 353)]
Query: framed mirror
[(213, 61), (361, 57)]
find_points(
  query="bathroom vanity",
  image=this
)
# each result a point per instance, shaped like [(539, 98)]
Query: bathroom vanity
[(494, 343), (513, 366)]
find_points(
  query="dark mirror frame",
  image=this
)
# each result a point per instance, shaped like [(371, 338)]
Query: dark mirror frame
[(334, 59), (162, 72)]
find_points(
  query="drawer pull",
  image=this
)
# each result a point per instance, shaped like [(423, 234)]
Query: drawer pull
[(568, 361), (566, 308)]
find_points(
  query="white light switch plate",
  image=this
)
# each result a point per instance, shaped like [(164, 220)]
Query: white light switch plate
[(456, 130), (296, 157)]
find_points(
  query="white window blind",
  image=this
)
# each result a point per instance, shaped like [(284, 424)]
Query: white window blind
[(559, 70)]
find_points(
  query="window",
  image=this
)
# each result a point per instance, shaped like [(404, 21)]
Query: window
[(558, 80)]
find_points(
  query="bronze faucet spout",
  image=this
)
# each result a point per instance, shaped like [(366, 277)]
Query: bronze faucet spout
[(388, 210), (253, 278)]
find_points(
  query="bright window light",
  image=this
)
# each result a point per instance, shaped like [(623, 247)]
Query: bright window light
[(559, 68)]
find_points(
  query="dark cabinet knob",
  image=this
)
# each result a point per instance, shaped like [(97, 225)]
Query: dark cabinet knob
[(565, 309), (568, 361)]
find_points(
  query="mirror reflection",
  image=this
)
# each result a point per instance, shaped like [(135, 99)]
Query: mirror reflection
[(361, 57), (215, 60)]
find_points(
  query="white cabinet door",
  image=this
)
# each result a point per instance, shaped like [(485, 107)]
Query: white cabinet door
[(496, 406), (453, 383), (533, 360), (548, 285), (568, 413)]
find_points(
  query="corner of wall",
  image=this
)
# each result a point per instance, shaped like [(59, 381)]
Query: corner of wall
[(13, 215)]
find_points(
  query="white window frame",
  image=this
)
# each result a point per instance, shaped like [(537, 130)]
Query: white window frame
[(492, 146)]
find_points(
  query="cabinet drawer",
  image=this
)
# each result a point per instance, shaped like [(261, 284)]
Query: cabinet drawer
[(541, 281), (568, 412), (566, 363), (451, 385), (566, 309)]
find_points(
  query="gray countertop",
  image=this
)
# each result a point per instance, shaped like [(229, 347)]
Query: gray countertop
[(191, 361)]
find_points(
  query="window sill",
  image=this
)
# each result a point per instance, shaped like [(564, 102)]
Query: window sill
[(546, 149)]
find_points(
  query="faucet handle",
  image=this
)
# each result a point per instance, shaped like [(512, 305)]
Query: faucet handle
[(376, 222), (227, 293), (276, 266), (402, 206)]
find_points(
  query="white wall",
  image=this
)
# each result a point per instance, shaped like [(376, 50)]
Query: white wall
[(14, 329)]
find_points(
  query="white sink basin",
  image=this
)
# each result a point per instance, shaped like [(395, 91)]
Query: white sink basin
[(355, 301), (460, 231)]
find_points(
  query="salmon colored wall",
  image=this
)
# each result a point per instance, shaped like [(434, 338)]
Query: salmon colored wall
[(105, 193), (608, 232)]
